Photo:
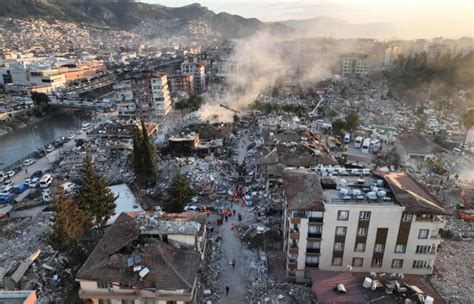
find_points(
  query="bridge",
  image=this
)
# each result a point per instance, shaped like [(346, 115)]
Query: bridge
[(78, 104)]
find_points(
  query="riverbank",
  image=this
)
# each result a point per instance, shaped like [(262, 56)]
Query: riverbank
[(25, 120), (21, 142)]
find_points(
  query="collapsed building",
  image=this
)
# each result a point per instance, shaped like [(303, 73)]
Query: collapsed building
[(145, 260)]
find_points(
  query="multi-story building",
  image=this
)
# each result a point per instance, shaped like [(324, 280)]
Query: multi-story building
[(387, 222), (144, 261), (143, 96), (198, 71), (355, 64), (181, 83)]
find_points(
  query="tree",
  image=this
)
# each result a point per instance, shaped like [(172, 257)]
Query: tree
[(40, 98), (144, 156), (338, 126), (179, 194), (352, 121), (70, 223), (468, 122), (193, 103), (93, 197)]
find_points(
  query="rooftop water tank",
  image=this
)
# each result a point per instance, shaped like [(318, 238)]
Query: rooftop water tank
[(381, 194), (379, 182), (356, 192), (372, 195), (344, 191)]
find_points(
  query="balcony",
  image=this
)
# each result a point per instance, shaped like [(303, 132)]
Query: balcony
[(315, 219), (314, 235), (293, 250), (294, 235), (313, 250), (311, 265), (295, 220), (299, 214)]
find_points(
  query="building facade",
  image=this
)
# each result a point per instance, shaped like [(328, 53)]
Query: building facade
[(143, 96), (355, 64), (384, 223), (181, 83)]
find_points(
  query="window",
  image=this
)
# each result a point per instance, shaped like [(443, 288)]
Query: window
[(399, 248), (426, 249), (397, 263), (103, 285), (149, 301), (336, 261), (357, 262), (423, 234), (338, 246), (128, 301), (420, 264), (377, 262), (313, 245), (312, 260), (364, 215), (360, 247), (343, 215), (314, 229), (379, 247), (362, 231), (315, 214), (341, 230), (406, 217), (105, 301)]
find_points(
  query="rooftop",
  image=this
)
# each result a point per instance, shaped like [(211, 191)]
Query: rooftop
[(415, 143), (303, 191), (156, 226), (121, 255), (125, 202)]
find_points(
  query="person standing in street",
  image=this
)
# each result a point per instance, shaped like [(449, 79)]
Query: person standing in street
[(233, 263), (227, 290)]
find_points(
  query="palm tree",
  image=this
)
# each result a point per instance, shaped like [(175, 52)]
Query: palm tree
[(468, 122)]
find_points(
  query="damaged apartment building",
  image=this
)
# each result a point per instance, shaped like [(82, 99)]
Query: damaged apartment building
[(361, 221), (143, 96), (149, 259), (291, 148)]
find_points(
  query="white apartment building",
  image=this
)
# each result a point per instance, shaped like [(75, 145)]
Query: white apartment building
[(143, 96), (383, 223), (355, 64), (198, 71)]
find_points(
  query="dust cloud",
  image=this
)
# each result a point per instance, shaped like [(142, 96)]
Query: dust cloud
[(264, 60)]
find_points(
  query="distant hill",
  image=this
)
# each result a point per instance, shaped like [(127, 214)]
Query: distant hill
[(127, 14), (339, 28)]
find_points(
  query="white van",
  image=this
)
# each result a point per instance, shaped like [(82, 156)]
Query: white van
[(365, 146), (358, 142), (347, 138), (46, 181)]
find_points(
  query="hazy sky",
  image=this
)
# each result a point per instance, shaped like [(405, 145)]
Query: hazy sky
[(421, 18)]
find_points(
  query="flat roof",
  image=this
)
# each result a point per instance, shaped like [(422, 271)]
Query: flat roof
[(126, 202), (354, 190)]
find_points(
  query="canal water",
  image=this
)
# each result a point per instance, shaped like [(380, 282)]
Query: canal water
[(21, 142)]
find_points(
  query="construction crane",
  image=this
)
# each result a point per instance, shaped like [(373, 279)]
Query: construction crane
[(236, 117)]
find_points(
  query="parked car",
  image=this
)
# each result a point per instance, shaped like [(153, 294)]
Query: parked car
[(20, 188), (34, 182), (69, 188), (46, 181), (71, 136), (7, 183), (8, 189), (10, 173), (37, 174), (6, 198), (50, 149), (28, 162)]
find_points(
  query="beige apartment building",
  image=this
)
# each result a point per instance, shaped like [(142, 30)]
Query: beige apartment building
[(383, 222)]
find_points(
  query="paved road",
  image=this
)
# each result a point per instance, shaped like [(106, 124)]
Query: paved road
[(245, 270), (242, 148)]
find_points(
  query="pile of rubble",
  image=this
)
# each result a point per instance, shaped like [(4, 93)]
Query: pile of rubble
[(27, 261), (208, 284), (263, 292)]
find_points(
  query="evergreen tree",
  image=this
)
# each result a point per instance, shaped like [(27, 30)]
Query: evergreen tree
[(137, 153), (179, 194), (144, 157), (94, 198), (148, 151), (70, 223), (352, 121)]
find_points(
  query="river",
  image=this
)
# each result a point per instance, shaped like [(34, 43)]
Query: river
[(20, 142)]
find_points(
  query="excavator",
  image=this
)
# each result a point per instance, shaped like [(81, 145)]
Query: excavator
[(236, 117)]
